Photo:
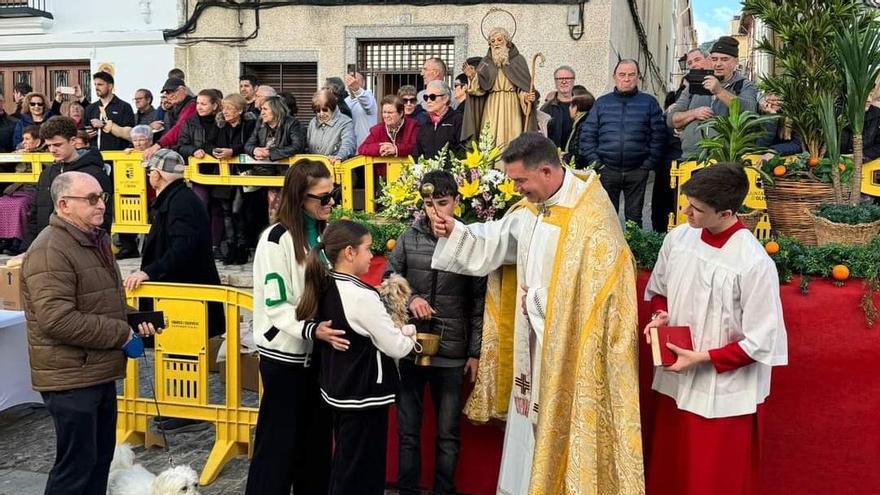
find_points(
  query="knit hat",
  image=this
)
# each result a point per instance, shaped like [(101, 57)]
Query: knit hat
[(165, 160), (727, 45)]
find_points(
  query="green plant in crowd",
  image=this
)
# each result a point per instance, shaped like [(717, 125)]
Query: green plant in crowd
[(380, 228), (831, 127), (644, 245), (857, 50), (848, 214)]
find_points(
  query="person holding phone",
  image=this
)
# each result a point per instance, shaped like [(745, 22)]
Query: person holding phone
[(360, 100)]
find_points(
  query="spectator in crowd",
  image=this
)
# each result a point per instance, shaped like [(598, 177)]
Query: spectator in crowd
[(82, 140), (359, 380), (434, 69), (780, 137), (443, 127), (78, 97), (337, 86), (15, 204), (7, 128), (33, 112), (263, 91), (78, 336), (145, 113), (578, 108), (459, 92), (183, 107), (362, 104), (330, 132), (164, 107), (247, 88), (691, 110), (176, 73), (624, 135), (276, 137), (108, 107), (663, 199), (561, 122), (870, 135), (696, 58), (236, 126), (141, 138), (290, 102), (19, 91), (412, 110), (58, 135), (454, 303), (395, 136), (293, 438), (73, 110)]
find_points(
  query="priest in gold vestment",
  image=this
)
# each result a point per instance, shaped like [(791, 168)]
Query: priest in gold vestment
[(560, 356)]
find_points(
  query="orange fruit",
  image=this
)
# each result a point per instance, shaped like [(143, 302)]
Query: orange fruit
[(840, 273), (390, 244), (771, 247), (813, 161), (779, 170), (841, 167)]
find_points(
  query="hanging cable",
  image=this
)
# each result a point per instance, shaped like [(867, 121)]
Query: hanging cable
[(643, 44)]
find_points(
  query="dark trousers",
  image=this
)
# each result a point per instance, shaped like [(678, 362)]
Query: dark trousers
[(359, 459), (445, 386), (662, 199), (293, 438), (85, 431), (632, 184)]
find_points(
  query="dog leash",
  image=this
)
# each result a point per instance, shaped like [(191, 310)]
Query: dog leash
[(158, 414)]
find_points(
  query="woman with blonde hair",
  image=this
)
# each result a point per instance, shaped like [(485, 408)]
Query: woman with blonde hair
[(34, 111)]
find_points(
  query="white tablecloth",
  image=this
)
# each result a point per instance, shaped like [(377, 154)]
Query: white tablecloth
[(15, 370)]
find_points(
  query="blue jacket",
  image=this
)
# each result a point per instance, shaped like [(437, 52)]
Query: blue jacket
[(624, 132)]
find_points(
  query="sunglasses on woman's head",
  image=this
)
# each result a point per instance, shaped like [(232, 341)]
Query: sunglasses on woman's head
[(410, 100), (326, 198), (432, 97)]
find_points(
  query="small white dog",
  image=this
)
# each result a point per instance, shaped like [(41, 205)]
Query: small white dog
[(128, 478)]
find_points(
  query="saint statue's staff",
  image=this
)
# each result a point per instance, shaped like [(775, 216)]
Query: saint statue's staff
[(528, 111)]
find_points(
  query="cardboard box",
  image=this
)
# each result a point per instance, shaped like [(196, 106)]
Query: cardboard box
[(250, 372), (10, 288), (213, 350)]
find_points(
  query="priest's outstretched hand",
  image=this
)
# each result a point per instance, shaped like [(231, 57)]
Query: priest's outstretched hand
[(441, 223)]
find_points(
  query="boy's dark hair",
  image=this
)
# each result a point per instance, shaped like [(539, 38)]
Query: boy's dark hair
[(443, 182), (722, 186), (252, 79), (32, 130), (582, 99), (533, 149), (58, 126), (104, 76), (176, 73), (461, 79)]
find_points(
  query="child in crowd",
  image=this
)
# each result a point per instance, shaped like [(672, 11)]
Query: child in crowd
[(714, 277), (358, 380), (445, 304), (15, 204)]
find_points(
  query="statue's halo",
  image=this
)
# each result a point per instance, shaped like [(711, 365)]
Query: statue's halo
[(494, 10)]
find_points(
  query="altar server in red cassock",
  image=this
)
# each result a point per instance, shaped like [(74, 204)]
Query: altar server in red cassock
[(713, 276)]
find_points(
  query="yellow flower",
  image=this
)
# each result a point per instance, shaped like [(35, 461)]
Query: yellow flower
[(469, 189), (473, 158), (397, 192), (457, 211), (506, 187)]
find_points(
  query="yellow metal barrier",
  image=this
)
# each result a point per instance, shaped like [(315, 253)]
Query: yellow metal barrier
[(871, 178), (345, 177), (181, 373), (36, 162), (129, 192), (220, 171)]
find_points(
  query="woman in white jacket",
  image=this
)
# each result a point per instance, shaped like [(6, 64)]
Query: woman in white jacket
[(293, 437)]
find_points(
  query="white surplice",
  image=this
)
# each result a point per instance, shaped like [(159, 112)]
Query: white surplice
[(725, 295), (529, 240)]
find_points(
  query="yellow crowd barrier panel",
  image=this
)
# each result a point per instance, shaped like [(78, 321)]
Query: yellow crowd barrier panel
[(345, 176), (871, 178), (34, 163), (210, 171), (181, 373), (129, 192)]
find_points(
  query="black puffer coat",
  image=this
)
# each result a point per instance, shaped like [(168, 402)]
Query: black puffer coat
[(457, 299), (290, 139)]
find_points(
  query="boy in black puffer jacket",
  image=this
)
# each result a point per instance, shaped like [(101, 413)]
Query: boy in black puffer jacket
[(451, 306)]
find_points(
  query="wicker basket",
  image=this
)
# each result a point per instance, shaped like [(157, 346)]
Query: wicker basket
[(787, 201), (750, 219), (828, 232)]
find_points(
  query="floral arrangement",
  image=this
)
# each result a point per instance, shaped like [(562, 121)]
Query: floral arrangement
[(486, 193)]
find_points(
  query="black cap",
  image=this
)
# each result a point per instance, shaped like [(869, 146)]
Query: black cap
[(172, 84), (727, 45)]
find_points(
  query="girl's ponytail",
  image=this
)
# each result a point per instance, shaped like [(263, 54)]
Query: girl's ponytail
[(316, 281)]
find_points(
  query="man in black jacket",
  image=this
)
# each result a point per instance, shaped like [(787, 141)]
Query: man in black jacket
[(7, 126), (449, 305), (561, 121), (108, 107), (58, 133)]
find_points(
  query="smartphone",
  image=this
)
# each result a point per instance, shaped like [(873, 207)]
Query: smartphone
[(695, 81), (351, 69), (65, 90), (157, 318)]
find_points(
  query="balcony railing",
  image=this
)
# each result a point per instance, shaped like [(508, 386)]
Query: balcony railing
[(23, 8)]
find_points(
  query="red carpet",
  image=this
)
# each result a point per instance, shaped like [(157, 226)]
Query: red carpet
[(821, 421)]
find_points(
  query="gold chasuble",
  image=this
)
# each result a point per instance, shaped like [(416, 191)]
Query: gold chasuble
[(587, 429)]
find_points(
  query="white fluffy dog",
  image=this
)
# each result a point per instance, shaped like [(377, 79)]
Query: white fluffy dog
[(128, 478)]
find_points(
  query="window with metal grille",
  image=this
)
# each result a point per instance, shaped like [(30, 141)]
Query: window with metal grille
[(388, 64), (300, 78)]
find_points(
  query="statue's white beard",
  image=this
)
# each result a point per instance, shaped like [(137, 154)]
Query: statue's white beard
[(500, 55)]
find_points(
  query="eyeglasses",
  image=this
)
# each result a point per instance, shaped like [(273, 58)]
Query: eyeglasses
[(91, 198), (432, 97), (564, 79), (326, 198), (412, 100), (36, 104), (322, 109)]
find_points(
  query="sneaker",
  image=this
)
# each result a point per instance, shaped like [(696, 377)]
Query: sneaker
[(178, 425)]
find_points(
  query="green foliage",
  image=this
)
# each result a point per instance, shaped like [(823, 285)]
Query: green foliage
[(645, 245), (848, 214), (831, 127), (733, 136), (793, 257), (380, 228), (797, 168)]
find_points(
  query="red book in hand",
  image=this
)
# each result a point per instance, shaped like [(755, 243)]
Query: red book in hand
[(680, 336)]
